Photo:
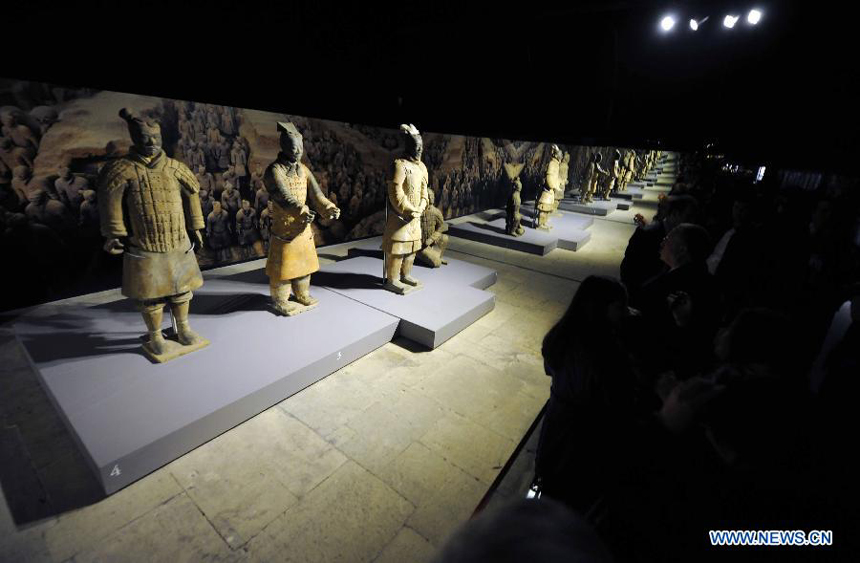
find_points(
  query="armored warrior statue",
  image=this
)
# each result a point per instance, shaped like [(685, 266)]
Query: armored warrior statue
[(433, 236), (218, 228), (546, 200), (595, 171), (514, 219), (629, 169), (266, 223), (149, 206), (70, 188), (246, 230), (292, 254), (613, 176), (406, 201), (563, 173)]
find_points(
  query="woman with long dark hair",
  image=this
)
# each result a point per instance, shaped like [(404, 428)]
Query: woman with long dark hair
[(591, 405)]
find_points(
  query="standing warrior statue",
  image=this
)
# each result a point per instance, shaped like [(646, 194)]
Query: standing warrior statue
[(595, 171), (563, 173), (628, 170), (613, 177), (406, 201), (149, 206), (433, 236), (292, 254), (513, 221), (545, 203)]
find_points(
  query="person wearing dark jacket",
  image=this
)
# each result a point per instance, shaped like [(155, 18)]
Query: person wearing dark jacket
[(592, 398), (682, 305)]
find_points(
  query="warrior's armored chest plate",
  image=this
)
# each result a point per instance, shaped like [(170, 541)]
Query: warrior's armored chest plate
[(154, 202), (412, 184), (286, 221)]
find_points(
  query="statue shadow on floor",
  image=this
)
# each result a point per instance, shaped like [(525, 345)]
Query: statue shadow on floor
[(42, 472), (337, 280)]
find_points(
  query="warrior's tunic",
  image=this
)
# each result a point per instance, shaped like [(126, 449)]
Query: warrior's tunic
[(547, 196), (406, 192), (292, 253), (157, 197)]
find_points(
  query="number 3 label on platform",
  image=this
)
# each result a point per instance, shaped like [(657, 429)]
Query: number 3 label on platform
[(339, 355)]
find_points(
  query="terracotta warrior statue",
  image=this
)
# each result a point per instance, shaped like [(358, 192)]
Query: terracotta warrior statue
[(546, 200), (563, 173), (514, 219), (292, 254), (613, 176), (629, 169), (406, 201), (433, 238), (595, 171), (150, 212)]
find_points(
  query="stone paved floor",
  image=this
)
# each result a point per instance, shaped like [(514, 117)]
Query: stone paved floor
[(377, 462)]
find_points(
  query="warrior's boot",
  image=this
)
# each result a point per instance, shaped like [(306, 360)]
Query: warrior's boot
[(281, 303), (184, 334), (393, 265), (302, 291), (152, 316), (406, 269)]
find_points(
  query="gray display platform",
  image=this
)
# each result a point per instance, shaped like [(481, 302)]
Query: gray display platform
[(630, 193), (598, 208), (567, 219), (429, 316), (131, 416), (493, 232), (458, 272)]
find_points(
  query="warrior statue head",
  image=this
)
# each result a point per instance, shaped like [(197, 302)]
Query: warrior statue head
[(145, 134), (291, 141), (555, 152), (414, 142)]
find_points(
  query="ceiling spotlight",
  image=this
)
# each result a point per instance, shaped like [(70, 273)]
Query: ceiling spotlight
[(754, 17), (730, 21), (667, 23), (695, 24)]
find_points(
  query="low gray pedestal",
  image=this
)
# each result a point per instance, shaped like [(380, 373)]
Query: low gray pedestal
[(458, 272), (131, 416), (493, 232), (598, 208), (428, 316)]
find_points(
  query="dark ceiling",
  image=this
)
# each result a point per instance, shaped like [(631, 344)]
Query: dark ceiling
[(784, 92)]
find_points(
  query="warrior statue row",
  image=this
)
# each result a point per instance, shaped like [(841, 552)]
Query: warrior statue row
[(151, 214)]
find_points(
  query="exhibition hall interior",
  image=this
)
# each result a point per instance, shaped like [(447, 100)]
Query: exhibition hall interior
[(414, 282)]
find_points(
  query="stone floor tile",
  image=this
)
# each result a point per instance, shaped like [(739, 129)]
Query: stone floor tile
[(84, 528), (386, 428), (271, 449), (407, 545), (349, 517), (175, 531), (480, 452), (443, 494), (330, 403)]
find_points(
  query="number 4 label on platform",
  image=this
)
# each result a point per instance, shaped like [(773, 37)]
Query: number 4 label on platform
[(115, 472)]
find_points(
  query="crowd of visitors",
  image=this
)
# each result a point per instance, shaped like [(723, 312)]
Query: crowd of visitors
[(711, 386)]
